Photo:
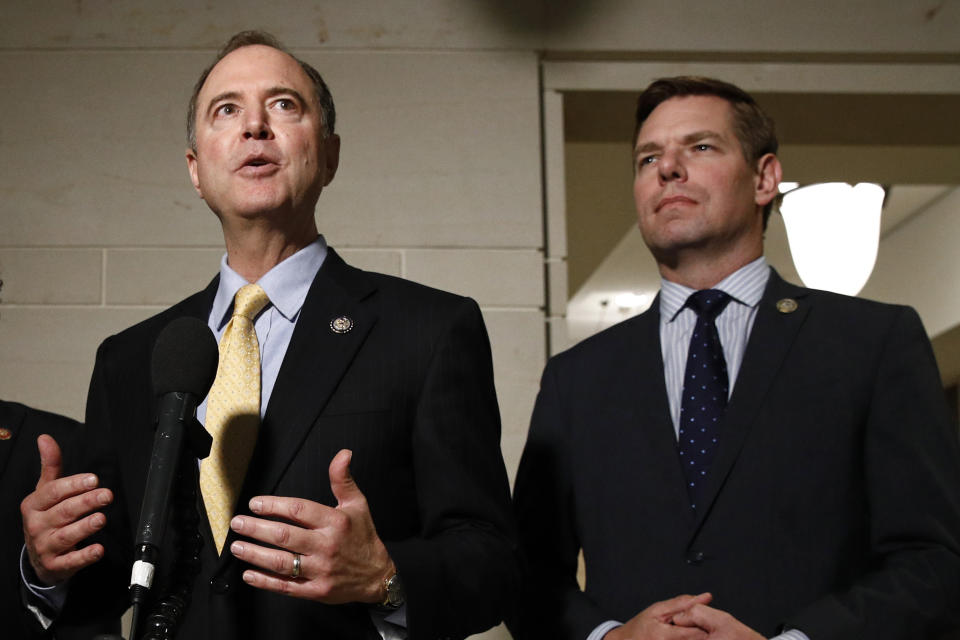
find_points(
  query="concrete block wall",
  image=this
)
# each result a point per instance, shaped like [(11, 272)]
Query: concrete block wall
[(439, 179), (439, 108)]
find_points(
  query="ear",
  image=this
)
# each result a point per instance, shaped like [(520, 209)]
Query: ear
[(192, 169), (331, 150), (769, 174)]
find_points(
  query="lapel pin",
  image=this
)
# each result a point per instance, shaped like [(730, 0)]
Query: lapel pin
[(5, 433), (342, 324), (787, 305)]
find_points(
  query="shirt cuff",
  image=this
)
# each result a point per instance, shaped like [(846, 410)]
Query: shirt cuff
[(47, 602), (602, 629), (791, 634), (391, 625)]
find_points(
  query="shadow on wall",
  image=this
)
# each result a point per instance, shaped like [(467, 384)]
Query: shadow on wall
[(538, 16)]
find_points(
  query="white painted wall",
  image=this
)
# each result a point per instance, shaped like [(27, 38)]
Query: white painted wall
[(918, 264)]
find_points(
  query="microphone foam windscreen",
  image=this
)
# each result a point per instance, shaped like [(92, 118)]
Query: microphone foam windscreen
[(185, 358)]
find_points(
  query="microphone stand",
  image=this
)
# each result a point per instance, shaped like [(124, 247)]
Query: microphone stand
[(192, 442), (165, 619)]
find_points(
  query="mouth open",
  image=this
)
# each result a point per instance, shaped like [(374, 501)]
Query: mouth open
[(258, 166)]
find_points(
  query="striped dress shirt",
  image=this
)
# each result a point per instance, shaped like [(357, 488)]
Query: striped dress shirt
[(745, 286)]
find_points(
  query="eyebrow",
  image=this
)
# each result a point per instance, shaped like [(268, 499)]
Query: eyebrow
[(270, 93), (278, 90), (690, 138), (227, 95)]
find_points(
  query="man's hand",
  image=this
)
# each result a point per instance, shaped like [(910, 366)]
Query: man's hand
[(57, 517), (656, 621), (719, 625), (342, 558)]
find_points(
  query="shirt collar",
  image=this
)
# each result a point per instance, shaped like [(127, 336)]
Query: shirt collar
[(286, 284), (745, 285)]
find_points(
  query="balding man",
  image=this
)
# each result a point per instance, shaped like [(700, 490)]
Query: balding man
[(374, 500)]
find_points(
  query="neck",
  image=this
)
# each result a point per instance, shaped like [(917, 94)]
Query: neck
[(704, 272), (253, 248)]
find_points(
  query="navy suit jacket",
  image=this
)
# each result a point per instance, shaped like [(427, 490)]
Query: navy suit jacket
[(409, 389), (833, 504)]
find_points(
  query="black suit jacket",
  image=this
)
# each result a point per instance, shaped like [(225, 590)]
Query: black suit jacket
[(409, 389), (19, 472), (833, 504)]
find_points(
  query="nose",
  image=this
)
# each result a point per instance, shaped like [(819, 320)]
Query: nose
[(256, 125), (670, 167)]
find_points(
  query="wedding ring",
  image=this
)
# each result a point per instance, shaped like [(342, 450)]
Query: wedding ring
[(296, 566)]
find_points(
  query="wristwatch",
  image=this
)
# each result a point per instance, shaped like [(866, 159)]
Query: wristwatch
[(393, 587)]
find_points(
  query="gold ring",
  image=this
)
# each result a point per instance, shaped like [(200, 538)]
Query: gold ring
[(296, 566)]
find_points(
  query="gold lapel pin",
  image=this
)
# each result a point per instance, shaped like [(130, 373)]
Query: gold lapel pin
[(342, 324), (5, 433), (787, 305)]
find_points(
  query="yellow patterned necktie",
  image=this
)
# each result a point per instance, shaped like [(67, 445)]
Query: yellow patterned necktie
[(233, 412)]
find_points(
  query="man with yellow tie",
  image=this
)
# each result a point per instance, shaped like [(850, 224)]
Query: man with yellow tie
[(355, 488)]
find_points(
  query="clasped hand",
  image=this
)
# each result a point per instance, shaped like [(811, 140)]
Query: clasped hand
[(683, 618), (341, 557)]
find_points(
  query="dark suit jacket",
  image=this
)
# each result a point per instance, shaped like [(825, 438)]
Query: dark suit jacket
[(19, 471), (409, 389), (833, 504)]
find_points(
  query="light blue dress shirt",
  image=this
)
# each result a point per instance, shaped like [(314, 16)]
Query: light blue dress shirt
[(286, 285)]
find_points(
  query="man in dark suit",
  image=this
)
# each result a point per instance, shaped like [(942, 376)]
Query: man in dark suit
[(747, 458), (375, 503), (20, 426)]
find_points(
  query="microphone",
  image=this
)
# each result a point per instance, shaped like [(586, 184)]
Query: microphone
[(183, 367)]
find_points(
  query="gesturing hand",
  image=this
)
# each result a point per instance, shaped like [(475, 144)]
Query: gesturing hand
[(57, 517), (656, 621), (719, 625), (342, 558)]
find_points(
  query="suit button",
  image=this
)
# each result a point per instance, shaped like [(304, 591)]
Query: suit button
[(695, 557), (220, 586)]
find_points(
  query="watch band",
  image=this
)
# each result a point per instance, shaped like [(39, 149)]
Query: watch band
[(393, 592)]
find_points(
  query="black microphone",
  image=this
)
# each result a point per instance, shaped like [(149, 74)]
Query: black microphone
[(183, 368)]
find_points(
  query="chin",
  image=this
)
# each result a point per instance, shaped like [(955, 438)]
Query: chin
[(675, 235), (260, 201)]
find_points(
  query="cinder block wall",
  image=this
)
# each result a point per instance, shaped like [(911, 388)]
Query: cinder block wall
[(439, 179)]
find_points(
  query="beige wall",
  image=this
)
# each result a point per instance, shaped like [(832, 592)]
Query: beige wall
[(439, 182), (440, 179), (919, 264)]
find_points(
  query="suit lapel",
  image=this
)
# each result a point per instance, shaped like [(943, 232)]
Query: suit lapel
[(646, 388), (313, 365), (11, 419), (772, 336), (199, 304)]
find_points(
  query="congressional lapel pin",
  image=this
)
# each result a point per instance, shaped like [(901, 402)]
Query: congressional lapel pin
[(787, 305), (5, 433), (341, 324)]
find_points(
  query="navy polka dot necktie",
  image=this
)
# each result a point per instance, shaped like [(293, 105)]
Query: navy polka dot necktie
[(705, 390)]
